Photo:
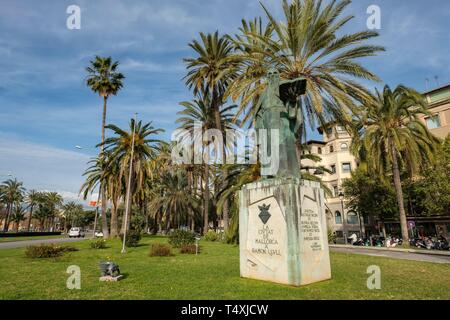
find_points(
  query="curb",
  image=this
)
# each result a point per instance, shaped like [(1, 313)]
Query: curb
[(429, 252)]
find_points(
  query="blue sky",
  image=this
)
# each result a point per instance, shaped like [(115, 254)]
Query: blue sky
[(46, 109)]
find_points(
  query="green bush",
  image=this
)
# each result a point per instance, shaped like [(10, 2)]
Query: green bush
[(98, 244), (189, 248), (47, 251), (331, 236), (160, 250), (211, 235), (178, 237), (133, 238)]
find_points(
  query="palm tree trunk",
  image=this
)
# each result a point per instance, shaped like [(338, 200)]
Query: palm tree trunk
[(29, 218), (399, 192), (6, 224), (103, 190), (226, 205), (206, 200)]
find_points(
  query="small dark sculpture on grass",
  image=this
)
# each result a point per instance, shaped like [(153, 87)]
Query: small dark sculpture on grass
[(109, 269)]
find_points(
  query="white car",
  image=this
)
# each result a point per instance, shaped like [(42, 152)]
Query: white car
[(76, 233), (98, 234)]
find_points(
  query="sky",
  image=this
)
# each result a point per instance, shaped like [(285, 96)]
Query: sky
[(46, 109)]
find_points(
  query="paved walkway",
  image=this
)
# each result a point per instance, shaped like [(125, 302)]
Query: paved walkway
[(434, 256), (25, 243)]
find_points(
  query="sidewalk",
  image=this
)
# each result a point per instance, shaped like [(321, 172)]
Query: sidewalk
[(430, 252)]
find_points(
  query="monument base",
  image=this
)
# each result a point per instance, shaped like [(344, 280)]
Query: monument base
[(283, 232)]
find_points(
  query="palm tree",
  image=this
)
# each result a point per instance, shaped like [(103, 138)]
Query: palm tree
[(199, 110), (306, 44), (119, 149), (18, 215), (209, 74), (394, 137), (72, 211), (105, 173), (32, 199), (54, 201), (12, 192), (173, 198), (104, 79)]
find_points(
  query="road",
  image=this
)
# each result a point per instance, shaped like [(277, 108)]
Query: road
[(394, 254), (25, 243)]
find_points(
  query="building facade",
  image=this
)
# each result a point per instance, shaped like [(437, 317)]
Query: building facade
[(336, 157)]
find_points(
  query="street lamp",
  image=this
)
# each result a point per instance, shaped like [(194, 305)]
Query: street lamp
[(341, 197)]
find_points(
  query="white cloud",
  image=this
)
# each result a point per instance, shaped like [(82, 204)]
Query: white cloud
[(42, 167)]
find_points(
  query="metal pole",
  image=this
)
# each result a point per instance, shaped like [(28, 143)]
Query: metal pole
[(343, 222), (127, 201)]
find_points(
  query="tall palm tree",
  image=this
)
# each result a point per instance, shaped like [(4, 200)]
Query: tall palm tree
[(54, 201), (306, 44), (32, 199), (12, 192), (393, 136), (199, 110), (210, 72), (119, 148), (104, 79)]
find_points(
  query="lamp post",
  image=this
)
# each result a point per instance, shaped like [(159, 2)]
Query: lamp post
[(127, 200), (341, 197)]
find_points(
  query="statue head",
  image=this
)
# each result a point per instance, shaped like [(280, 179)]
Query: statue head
[(273, 75)]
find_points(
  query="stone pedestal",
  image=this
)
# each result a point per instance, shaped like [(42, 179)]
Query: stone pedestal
[(283, 232)]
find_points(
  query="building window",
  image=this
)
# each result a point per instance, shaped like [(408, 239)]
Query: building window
[(433, 122), (339, 234), (337, 217), (344, 146), (336, 191), (331, 149), (352, 218), (333, 169), (319, 150), (346, 167)]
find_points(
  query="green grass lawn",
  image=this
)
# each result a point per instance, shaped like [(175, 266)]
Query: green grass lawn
[(213, 274), (11, 239)]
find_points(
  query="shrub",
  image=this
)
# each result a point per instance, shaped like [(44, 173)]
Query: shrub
[(211, 235), (331, 236), (67, 249), (98, 244), (160, 250), (189, 248), (178, 237), (47, 251), (133, 238)]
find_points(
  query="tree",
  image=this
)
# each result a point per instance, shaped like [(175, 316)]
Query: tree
[(32, 199), (18, 215), (72, 214), (119, 148), (11, 192), (393, 137), (370, 195), (174, 199), (104, 79), (209, 74), (199, 111), (308, 44), (429, 193)]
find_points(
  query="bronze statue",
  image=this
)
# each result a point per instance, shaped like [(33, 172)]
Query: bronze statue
[(279, 108)]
